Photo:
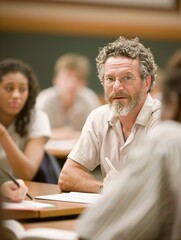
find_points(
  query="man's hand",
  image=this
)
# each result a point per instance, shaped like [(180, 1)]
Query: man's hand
[(109, 177)]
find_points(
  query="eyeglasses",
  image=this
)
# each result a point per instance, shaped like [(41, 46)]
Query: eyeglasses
[(127, 80)]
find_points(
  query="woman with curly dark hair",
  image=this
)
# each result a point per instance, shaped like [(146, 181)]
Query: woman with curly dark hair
[(23, 129)]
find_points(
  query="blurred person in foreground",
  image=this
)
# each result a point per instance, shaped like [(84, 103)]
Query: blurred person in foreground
[(144, 200), (69, 101), (23, 129), (127, 71), (173, 63)]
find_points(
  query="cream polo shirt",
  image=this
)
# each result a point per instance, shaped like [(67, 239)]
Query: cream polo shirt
[(39, 126), (102, 136), (144, 200)]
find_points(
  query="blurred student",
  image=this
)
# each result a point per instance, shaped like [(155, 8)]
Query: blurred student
[(127, 72), (144, 200), (69, 101), (174, 61), (23, 129)]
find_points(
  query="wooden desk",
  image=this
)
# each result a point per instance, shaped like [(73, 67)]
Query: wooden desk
[(61, 210), (60, 148)]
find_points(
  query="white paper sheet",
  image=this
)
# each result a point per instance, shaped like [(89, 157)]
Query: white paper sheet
[(78, 197), (26, 205)]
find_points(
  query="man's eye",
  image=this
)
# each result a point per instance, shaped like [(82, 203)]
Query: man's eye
[(110, 79), (127, 78)]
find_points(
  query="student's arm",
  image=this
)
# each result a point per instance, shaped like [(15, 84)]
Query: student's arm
[(24, 164), (75, 177)]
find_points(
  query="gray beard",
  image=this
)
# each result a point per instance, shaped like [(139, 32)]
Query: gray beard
[(118, 109)]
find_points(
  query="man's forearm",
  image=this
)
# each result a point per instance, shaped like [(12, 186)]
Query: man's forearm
[(79, 180)]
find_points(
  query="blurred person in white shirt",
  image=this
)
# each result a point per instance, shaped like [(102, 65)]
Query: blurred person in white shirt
[(69, 101)]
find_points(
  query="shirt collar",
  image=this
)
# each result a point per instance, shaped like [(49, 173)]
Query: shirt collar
[(112, 120), (146, 111)]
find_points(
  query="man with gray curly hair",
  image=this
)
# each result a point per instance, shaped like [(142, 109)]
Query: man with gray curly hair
[(133, 50), (127, 72)]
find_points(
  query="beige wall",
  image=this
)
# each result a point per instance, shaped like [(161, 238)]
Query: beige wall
[(89, 20)]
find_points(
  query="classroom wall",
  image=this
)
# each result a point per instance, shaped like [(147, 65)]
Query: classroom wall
[(42, 50)]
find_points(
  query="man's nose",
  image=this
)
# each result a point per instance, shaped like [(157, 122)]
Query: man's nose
[(118, 86)]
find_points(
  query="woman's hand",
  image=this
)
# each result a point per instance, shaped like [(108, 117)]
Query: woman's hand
[(12, 192)]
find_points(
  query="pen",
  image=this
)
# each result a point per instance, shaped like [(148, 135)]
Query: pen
[(15, 181), (109, 163)]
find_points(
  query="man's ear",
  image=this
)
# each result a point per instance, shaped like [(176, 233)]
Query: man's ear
[(147, 83)]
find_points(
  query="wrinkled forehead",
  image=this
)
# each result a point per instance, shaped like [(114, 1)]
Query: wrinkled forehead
[(121, 61), (120, 64)]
